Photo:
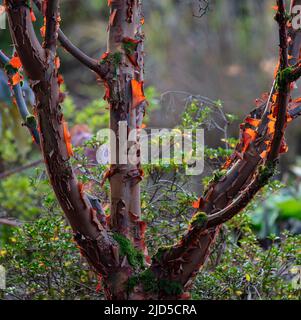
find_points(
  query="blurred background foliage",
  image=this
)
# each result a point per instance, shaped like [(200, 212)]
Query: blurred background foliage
[(228, 55)]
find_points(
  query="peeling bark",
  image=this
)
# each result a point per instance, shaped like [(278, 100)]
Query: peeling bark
[(125, 55), (94, 240)]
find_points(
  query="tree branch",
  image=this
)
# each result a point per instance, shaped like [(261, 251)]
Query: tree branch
[(87, 61), (244, 178), (283, 83), (94, 65), (94, 240), (26, 43), (20, 101), (52, 23), (10, 222), (9, 173)]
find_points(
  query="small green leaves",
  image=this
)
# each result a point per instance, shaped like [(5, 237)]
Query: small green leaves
[(218, 175), (114, 58), (283, 78), (266, 172), (199, 220)]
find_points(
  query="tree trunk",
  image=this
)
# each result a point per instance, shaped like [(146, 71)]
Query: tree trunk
[(127, 103)]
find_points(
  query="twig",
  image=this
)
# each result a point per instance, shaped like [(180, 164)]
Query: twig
[(9, 173), (20, 101), (284, 89), (51, 16), (77, 53), (10, 222)]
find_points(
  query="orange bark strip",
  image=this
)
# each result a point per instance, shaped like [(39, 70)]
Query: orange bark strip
[(248, 136), (67, 137), (15, 62), (196, 204), (137, 93), (253, 122), (112, 17), (264, 154), (105, 55), (107, 92), (60, 79), (16, 79), (283, 147), (57, 62), (43, 31), (33, 17)]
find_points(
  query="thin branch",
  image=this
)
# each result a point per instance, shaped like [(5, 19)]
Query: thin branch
[(24, 38), (20, 101), (51, 16), (10, 222), (11, 172), (284, 88), (282, 106), (79, 54), (94, 65)]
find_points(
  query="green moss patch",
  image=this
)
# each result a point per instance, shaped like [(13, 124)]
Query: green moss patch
[(199, 220), (134, 256), (150, 283)]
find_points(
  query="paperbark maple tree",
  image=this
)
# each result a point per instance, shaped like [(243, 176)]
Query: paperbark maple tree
[(114, 246)]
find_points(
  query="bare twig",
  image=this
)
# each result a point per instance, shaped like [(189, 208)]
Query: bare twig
[(10, 222), (9, 173), (94, 65)]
